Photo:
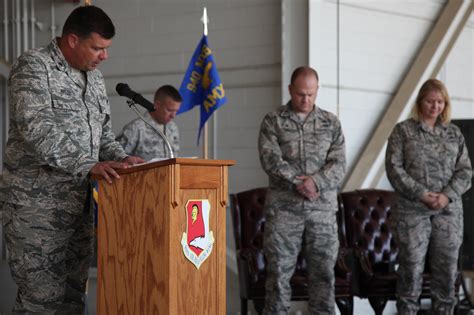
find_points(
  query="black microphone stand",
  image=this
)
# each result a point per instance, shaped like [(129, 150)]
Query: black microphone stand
[(131, 104)]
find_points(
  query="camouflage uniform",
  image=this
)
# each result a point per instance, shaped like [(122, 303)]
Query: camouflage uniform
[(418, 160), (290, 147), (59, 129), (139, 139)]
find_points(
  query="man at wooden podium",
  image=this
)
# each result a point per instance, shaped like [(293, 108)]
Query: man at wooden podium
[(59, 131)]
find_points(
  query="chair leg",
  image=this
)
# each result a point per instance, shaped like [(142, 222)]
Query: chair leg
[(243, 306), (467, 296), (345, 305), (378, 304), (259, 304)]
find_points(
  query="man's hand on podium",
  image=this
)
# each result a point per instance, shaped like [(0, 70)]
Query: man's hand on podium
[(107, 169), (132, 160)]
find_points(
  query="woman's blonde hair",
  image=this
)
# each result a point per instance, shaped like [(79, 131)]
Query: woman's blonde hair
[(428, 86)]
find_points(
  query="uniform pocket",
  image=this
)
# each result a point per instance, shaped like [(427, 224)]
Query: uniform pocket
[(290, 142), (451, 155), (103, 105)]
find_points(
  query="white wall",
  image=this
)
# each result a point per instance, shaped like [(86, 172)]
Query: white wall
[(294, 34), (153, 45), (458, 73), (378, 41)]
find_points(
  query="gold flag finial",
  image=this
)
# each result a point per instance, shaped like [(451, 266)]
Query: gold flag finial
[(87, 2)]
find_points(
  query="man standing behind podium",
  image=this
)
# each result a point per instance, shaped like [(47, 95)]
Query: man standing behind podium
[(59, 131), (138, 138), (302, 151)]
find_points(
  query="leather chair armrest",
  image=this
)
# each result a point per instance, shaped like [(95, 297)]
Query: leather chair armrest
[(244, 278), (364, 263), (253, 265), (345, 258)]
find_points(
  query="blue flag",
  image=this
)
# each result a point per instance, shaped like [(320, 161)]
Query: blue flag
[(201, 84)]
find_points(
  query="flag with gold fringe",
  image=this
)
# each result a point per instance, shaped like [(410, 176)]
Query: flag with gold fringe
[(95, 199)]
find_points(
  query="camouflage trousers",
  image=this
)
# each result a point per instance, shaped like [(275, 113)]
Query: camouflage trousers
[(49, 252), (437, 235), (284, 232)]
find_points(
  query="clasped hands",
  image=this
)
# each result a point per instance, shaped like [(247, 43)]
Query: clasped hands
[(434, 200), (307, 188)]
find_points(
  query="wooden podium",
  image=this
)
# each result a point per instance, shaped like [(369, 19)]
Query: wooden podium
[(142, 268)]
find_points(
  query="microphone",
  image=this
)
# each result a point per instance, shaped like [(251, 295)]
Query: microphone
[(124, 90)]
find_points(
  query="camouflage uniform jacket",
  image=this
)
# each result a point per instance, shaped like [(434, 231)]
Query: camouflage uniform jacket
[(57, 131), (419, 159), (290, 147), (137, 138)]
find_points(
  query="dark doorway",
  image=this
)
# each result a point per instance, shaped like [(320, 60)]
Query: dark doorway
[(467, 129)]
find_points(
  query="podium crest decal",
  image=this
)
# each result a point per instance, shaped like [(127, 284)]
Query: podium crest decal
[(197, 241)]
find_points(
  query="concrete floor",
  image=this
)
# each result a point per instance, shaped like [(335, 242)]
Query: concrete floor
[(361, 307), (8, 290)]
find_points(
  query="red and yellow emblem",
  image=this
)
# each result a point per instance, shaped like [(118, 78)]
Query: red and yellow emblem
[(197, 241)]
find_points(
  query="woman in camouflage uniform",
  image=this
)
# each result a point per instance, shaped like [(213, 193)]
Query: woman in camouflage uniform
[(428, 165)]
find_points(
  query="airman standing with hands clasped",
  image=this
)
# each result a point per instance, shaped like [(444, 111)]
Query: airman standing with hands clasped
[(302, 151)]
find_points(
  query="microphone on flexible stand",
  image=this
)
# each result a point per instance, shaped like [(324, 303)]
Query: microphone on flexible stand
[(124, 90), (135, 98)]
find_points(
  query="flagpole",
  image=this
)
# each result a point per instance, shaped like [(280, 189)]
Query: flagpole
[(205, 143)]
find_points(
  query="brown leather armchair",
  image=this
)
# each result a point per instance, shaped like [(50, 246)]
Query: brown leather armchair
[(367, 217), (249, 223)]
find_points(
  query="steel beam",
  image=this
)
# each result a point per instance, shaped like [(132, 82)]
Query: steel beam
[(369, 167)]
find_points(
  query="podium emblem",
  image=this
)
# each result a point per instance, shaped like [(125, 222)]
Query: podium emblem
[(197, 241)]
